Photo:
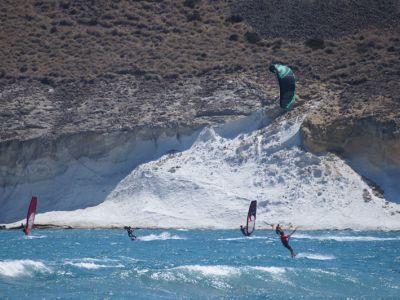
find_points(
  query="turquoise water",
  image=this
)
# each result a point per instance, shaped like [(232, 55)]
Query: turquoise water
[(173, 264)]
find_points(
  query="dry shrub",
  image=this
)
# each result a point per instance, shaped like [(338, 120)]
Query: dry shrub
[(329, 51), (195, 16), (252, 37), (235, 19), (315, 43), (191, 3)]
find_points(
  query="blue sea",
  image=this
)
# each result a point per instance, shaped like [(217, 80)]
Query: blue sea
[(196, 264)]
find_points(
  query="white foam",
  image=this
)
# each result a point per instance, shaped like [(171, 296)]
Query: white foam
[(271, 270), (23, 267), (345, 238), (315, 256), (233, 239), (224, 270), (166, 276), (128, 258), (244, 238), (162, 236), (215, 270), (315, 270), (218, 276), (32, 237), (93, 263), (90, 265)]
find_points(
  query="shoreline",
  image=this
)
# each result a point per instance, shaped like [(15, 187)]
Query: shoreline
[(68, 227)]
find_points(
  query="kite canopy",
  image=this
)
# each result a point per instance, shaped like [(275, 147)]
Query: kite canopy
[(287, 84)]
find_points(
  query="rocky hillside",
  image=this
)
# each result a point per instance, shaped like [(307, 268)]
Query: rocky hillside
[(69, 67), (354, 48)]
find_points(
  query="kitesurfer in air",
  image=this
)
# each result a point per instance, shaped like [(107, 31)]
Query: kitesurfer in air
[(285, 239), (130, 231)]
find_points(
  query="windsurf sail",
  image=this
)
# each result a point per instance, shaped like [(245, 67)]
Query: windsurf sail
[(251, 218), (30, 217)]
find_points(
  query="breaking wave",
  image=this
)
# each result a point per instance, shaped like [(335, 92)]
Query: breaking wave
[(22, 267), (92, 263)]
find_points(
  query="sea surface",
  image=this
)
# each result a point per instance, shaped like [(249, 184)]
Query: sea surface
[(196, 264)]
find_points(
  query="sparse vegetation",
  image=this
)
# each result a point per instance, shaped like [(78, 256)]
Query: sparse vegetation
[(234, 37), (80, 40), (315, 43), (191, 3), (70, 45), (235, 19), (194, 16), (252, 37)]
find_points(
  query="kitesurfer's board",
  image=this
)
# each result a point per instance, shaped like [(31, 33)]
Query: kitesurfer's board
[(30, 217)]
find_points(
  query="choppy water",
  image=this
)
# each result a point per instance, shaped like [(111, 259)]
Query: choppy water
[(177, 264)]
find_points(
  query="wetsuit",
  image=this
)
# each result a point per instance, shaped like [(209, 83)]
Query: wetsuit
[(285, 239), (278, 230), (130, 233), (23, 228), (285, 243), (244, 230)]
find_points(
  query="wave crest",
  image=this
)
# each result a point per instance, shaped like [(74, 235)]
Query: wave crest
[(22, 267)]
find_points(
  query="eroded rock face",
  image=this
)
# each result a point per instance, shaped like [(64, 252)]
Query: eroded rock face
[(31, 110), (70, 170), (74, 75), (349, 137), (368, 137)]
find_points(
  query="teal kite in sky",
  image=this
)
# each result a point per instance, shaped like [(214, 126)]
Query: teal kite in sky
[(287, 84)]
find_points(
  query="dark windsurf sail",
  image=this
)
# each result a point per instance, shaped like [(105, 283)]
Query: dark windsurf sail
[(251, 218), (30, 217)]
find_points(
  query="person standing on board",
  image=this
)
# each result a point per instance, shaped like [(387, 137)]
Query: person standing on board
[(244, 230), (130, 230), (23, 228), (285, 238)]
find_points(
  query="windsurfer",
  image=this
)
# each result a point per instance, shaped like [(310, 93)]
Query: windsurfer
[(251, 219), (23, 228), (285, 239), (244, 230), (30, 217)]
